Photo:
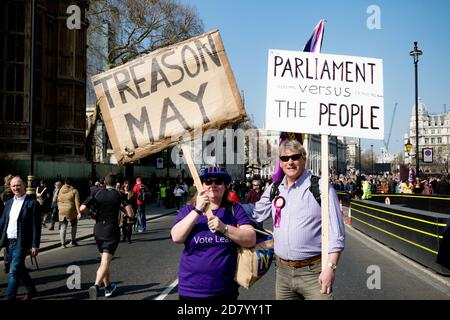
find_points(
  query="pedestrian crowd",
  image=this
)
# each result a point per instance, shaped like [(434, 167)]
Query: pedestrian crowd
[(391, 183)]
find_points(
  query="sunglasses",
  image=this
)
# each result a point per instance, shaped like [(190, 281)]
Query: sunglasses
[(216, 181), (294, 157)]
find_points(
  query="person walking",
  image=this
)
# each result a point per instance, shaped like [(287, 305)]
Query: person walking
[(43, 196), (293, 203), (68, 211), (20, 233), (127, 222), (6, 194), (108, 202), (54, 206), (208, 262), (178, 192), (140, 191)]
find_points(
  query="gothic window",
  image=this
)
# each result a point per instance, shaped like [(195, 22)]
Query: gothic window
[(12, 52)]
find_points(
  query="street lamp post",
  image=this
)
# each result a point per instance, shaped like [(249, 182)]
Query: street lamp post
[(30, 188), (415, 54), (337, 156), (359, 156), (371, 157)]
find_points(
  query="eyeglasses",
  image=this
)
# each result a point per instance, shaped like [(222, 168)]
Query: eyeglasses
[(216, 181), (294, 157)]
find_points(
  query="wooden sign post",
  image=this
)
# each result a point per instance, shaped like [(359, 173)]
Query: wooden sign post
[(198, 184), (324, 199)]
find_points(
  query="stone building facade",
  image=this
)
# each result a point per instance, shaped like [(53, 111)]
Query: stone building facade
[(59, 87), (434, 133)]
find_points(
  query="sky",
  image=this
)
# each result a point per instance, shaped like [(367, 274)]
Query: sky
[(249, 28)]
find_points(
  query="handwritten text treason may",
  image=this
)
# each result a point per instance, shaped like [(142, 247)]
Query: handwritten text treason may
[(167, 93)]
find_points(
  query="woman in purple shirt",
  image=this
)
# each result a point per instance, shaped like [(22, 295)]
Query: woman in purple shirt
[(208, 261)]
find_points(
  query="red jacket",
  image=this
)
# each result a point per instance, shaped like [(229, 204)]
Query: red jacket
[(137, 192)]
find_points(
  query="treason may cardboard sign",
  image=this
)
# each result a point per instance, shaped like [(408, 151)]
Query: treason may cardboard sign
[(149, 102)]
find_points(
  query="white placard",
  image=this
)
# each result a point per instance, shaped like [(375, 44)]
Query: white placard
[(325, 94)]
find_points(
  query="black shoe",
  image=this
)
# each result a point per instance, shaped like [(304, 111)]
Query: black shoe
[(29, 295)]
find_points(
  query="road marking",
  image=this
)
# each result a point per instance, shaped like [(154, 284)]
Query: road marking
[(166, 292)]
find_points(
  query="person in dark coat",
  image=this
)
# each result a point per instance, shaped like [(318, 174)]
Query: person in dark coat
[(20, 233), (255, 194), (5, 195), (442, 186)]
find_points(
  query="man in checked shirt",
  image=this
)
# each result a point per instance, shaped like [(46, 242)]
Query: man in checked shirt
[(297, 229)]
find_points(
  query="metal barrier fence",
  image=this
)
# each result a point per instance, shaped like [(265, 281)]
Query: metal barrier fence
[(412, 232)]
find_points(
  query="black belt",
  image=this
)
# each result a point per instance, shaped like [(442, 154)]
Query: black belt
[(12, 240)]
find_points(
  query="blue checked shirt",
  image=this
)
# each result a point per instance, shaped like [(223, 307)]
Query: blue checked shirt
[(299, 234)]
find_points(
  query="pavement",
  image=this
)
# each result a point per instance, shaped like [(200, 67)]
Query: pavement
[(50, 238)]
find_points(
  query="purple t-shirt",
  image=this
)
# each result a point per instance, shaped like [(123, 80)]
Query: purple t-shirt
[(208, 261)]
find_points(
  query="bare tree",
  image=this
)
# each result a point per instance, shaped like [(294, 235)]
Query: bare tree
[(366, 162), (122, 30), (138, 27)]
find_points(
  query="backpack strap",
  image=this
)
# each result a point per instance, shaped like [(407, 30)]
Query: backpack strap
[(274, 190), (315, 188)]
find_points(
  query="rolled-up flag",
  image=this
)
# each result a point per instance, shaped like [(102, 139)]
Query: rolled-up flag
[(314, 43)]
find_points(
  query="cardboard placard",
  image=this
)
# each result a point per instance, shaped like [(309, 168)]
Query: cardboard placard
[(148, 103)]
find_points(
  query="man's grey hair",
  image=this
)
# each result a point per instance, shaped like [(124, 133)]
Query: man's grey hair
[(292, 145)]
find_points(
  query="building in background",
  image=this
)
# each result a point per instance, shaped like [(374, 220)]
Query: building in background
[(59, 91), (353, 154), (101, 33), (434, 133), (337, 148)]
